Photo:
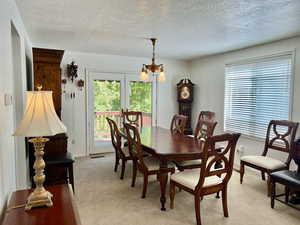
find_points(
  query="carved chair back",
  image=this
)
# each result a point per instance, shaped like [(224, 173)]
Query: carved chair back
[(280, 136), (226, 157), (132, 117), (204, 129), (116, 138), (135, 146), (178, 124), (207, 115)]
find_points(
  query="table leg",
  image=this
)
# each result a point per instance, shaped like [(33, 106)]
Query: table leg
[(71, 176), (163, 179)]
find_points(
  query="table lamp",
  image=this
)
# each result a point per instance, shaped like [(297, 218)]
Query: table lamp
[(40, 119)]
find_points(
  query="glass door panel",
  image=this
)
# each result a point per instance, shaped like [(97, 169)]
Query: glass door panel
[(107, 103), (105, 99), (140, 99)]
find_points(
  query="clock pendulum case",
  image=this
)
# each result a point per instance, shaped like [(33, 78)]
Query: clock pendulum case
[(185, 100)]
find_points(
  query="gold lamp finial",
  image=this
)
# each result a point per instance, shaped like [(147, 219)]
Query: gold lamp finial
[(39, 87)]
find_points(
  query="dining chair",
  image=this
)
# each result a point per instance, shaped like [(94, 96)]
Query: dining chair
[(120, 152), (204, 129), (178, 124), (208, 180), (206, 115), (132, 117), (290, 179), (280, 136), (146, 165)]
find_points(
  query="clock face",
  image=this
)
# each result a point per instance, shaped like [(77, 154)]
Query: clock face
[(185, 93)]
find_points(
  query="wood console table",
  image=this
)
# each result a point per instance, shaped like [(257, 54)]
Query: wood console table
[(63, 212)]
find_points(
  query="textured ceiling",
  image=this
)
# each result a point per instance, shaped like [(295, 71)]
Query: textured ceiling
[(185, 28)]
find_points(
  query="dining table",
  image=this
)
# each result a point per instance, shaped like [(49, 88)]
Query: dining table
[(167, 147)]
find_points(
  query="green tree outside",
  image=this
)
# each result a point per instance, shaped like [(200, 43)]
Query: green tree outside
[(107, 96)]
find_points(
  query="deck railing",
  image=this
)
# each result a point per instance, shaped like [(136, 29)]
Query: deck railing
[(101, 127)]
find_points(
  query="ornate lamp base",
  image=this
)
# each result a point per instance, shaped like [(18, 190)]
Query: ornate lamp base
[(39, 197), (36, 199)]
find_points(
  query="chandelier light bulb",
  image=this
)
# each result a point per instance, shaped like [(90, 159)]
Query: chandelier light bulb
[(161, 76), (144, 75)]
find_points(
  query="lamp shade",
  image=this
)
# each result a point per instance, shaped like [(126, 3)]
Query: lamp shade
[(40, 118)]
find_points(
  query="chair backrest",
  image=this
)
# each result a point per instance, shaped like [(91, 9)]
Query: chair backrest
[(207, 115), (280, 136), (135, 146), (211, 156), (132, 117), (178, 124), (205, 129), (296, 154), (116, 138)]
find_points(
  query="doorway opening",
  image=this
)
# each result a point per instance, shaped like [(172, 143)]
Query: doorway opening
[(18, 102)]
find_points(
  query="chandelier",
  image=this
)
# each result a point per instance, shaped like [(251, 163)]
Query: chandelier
[(144, 76)]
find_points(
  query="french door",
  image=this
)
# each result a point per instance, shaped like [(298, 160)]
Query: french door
[(108, 93)]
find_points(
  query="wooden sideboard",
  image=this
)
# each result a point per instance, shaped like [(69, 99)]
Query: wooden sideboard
[(63, 212)]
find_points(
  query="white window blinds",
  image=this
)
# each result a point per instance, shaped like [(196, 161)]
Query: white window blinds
[(257, 92)]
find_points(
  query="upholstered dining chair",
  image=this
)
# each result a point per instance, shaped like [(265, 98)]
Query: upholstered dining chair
[(204, 129), (178, 124), (146, 165), (132, 117), (120, 152), (280, 136), (208, 180), (207, 115), (290, 179)]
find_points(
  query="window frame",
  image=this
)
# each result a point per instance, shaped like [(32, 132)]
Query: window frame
[(260, 59)]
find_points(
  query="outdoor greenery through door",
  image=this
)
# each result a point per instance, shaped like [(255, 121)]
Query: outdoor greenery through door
[(107, 103)]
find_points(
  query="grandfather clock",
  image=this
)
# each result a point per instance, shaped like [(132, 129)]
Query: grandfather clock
[(185, 100)]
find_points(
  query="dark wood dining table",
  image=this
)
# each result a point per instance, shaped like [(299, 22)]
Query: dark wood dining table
[(166, 147)]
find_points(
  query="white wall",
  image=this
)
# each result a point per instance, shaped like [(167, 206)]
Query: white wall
[(208, 75), (167, 105), (10, 179)]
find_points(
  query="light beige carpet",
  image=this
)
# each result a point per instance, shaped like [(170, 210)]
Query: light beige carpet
[(104, 199)]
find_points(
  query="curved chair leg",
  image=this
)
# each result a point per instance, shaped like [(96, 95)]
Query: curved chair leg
[(172, 194), (145, 185), (269, 185), (224, 201), (123, 169), (116, 163), (134, 170), (263, 177), (287, 194), (242, 171), (197, 209), (273, 194)]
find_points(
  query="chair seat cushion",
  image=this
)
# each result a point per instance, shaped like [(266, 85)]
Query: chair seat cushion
[(190, 179), (125, 150), (264, 162), (287, 177), (189, 163), (153, 163)]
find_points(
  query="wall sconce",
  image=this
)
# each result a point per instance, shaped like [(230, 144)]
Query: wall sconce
[(80, 84), (72, 71)]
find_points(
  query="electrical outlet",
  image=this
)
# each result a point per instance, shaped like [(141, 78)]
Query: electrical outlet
[(8, 99)]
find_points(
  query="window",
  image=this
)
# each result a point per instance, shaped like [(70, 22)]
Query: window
[(255, 93)]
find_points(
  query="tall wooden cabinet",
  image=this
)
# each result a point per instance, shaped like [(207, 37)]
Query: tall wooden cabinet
[(47, 72)]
